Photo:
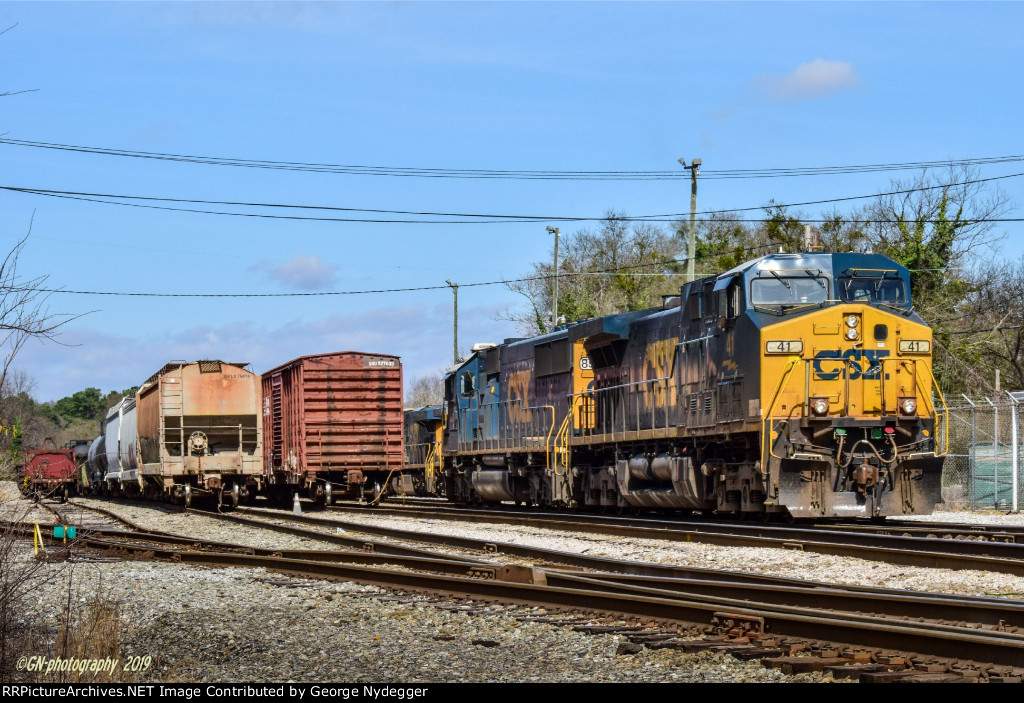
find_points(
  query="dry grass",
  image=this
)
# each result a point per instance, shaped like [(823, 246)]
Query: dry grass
[(92, 630), (88, 626)]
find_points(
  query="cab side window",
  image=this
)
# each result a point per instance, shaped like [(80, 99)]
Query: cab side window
[(467, 384)]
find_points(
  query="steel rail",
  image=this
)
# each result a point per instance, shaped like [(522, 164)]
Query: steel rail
[(913, 551), (942, 607), (439, 506), (797, 531), (664, 571), (437, 563), (334, 538)]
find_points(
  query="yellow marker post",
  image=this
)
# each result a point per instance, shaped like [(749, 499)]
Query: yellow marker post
[(37, 540)]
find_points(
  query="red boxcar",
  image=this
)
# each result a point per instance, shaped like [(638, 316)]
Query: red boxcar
[(49, 473), (332, 426)]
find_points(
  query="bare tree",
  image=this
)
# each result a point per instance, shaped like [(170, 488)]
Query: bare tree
[(935, 225), (989, 327), (425, 390), (619, 267), (24, 315), (24, 310)]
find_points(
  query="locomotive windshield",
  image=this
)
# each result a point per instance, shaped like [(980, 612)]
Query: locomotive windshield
[(788, 290), (873, 289)]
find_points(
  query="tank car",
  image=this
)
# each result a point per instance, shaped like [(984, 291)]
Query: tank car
[(795, 384), (96, 464), (49, 472), (199, 432), (118, 444), (333, 426)]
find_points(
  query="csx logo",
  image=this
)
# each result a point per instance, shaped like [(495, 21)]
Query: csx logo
[(857, 363)]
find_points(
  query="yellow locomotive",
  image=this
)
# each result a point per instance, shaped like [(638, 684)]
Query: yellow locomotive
[(795, 384)]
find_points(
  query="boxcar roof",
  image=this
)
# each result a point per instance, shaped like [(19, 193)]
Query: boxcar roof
[(320, 356)]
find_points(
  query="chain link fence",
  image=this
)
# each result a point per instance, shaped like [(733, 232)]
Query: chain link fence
[(980, 467)]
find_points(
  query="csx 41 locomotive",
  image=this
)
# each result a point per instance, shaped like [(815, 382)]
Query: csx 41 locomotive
[(795, 384)]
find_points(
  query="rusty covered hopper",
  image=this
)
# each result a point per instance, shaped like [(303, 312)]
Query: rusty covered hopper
[(333, 421), (199, 425)]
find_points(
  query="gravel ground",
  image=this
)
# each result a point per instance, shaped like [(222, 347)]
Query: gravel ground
[(203, 624), (200, 624), (981, 517), (200, 527), (15, 507), (777, 562)]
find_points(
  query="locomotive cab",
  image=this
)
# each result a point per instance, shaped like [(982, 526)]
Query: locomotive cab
[(852, 417)]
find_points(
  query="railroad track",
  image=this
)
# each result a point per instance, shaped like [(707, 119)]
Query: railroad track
[(870, 633), (890, 526), (881, 635), (930, 550), (88, 519)]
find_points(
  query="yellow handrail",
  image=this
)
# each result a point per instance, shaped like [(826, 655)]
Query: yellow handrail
[(945, 411), (562, 444), (783, 382), (428, 464)]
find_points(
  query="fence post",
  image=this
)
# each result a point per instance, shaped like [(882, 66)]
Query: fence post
[(972, 453), (1015, 434), (995, 453)]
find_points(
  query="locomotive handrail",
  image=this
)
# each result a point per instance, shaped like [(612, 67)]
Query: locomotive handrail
[(505, 428), (944, 415), (622, 385), (783, 382), (595, 393)]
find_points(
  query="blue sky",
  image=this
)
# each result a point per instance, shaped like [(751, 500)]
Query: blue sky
[(544, 86)]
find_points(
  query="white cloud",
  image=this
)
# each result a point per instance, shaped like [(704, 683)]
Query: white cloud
[(300, 272), (808, 81)]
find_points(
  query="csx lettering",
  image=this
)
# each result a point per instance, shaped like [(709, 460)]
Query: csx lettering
[(854, 363)]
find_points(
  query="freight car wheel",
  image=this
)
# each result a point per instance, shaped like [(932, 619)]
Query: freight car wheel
[(187, 498), (236, 493)]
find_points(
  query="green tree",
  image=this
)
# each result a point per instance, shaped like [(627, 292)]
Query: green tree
[(81, 405)]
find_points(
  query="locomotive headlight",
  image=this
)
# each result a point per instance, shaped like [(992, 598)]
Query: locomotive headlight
[(851, 334), (819, 406), (908, 405), (852, 321)]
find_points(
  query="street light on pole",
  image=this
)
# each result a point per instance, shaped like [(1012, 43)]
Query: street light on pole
[(455, 322), (694, 169), (554, 306)]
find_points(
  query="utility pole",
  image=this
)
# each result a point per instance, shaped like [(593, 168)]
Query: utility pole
[(554, 306), (455, 323), (694, 169)]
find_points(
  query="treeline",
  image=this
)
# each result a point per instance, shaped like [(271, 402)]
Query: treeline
[(27, 423), (942, 226)]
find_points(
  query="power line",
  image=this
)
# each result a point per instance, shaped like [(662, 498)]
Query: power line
[(311, 294), (544, 277), (512, 174), (467, 218)]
